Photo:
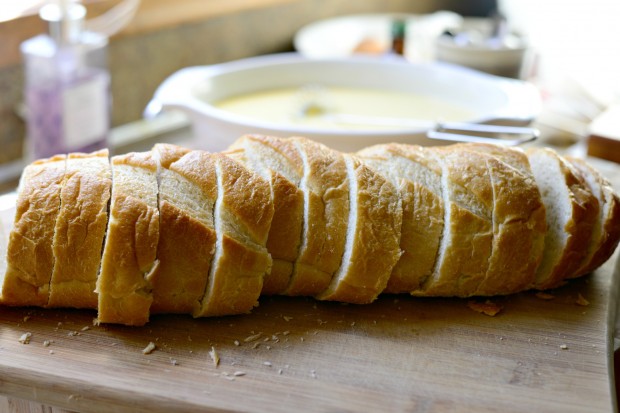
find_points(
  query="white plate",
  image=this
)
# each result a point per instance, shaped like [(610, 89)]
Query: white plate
[(338, 37)]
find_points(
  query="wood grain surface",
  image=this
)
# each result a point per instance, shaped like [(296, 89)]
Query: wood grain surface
[(296, 354)]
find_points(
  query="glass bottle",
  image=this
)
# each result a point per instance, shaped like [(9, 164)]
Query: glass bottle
[(66, 85)]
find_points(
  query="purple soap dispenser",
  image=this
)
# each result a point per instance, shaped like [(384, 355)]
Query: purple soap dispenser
[(66, 85)]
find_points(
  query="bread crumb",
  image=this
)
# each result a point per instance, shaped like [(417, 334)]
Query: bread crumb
[(46, 343), (487, 308), (149, 348), (26, 318), (174, 362), (25, 338), (73, 333), (51, 351), (96, 321), (287, 318), (286, 333), (544, 296), (564, 347), (252, 337), (267, 363), (214, 356), (236, 342), (581, 301), (85, 328), (239, 373), (279, 371)]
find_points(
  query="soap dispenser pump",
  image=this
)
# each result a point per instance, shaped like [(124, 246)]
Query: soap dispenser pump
[(66, 85)]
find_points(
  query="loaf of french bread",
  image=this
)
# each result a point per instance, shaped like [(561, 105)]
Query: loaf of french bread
[(175, 230)]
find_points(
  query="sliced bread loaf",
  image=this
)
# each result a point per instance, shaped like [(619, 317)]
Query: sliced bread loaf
[(606, 230), (277, 161), (571, 210), (129, 254), (326, 210), (418, 179), (467, 238), (187, 195), (242, 218), (518, 217), (80, 230), (372, 238), (30, 256)]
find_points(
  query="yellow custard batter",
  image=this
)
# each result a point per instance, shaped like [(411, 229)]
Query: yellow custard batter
[(311, 106)]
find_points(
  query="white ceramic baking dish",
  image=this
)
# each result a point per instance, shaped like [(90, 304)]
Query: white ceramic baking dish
[(194, 90)]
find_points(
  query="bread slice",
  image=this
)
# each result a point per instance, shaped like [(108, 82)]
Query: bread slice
[(325, 186), (187, 195), (418, 179), (372, 238), (606, 230), (268, 157), (571, 210), (519, 223), (242, 217), (130, 251), (467, 238), (80, 229), (30, 257)]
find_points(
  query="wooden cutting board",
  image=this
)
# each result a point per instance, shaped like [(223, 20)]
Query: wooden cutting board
[(296, 354)]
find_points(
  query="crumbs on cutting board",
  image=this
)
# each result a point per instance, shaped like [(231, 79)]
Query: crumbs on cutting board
[(487, 307), (544, 296), (25, 338), (581, 301), (215, 357), (149, 348)]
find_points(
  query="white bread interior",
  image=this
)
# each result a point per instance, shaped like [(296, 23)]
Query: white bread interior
[(606, 230), (571, 210)]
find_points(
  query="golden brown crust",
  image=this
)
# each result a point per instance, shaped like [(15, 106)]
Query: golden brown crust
[(273, 159), (187, 236), (247, 199), (519, 222), (185, 251), (326, 197), (422, 222), (130, 250), (375, 231), (468, 232), (285, 233), (606, 239), (243, 214), (198, 167), (168, 153), (237, 279), (30, 257), (80, 230)]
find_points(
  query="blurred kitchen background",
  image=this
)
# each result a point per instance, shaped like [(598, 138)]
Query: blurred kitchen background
[(572, 44)]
